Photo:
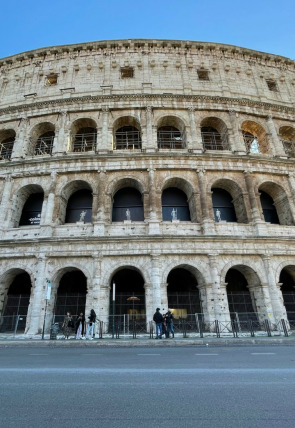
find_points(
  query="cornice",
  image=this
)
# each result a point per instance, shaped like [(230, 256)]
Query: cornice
[(229, 101)]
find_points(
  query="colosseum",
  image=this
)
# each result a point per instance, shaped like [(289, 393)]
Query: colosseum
[(138, 174)]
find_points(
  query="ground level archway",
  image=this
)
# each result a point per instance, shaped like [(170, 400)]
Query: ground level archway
[(287, 279)]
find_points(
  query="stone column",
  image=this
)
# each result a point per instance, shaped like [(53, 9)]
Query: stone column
[(196, 144), (36, 310), (5, 205), (154, 226), (93, 288), (21, 143), (98, 214), (164, 296), (105, 143), (48, 219), (238, 145), (278, 148), (221, 309), (156, 281), (104, 305), (278, 307), (151, 131), (207, 222), (252, 196), (62, 139), (149, 304), (207, 302)]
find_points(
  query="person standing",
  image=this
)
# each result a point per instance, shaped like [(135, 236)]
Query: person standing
[(169, 323), (67, 325), (158, 318), (91, 324), (80, 325)]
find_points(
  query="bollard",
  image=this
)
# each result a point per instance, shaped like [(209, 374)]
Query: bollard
[(217, 331), (133, 329), (201, 328), (267, 327), (250, 328), (100, 329), (283, 322), (184, 329), (151, 330), (117, 330), (234, 328)]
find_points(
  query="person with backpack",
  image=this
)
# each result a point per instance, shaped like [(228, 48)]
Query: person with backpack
[(91, 324), (158, 318)]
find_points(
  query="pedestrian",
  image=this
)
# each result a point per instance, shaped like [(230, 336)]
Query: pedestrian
[(91, 324), (169, 323), (80, 325), (67, 325), (158, 318)]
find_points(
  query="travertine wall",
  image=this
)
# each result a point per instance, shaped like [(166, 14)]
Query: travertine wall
[(90, 88)]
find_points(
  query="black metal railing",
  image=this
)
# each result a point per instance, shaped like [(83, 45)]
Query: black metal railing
[(289, 147), (44, 146), (129, 140), (6, 150), (215, 141), (170, 140), (84, 142)]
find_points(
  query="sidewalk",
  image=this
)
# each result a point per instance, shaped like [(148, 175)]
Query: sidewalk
[(144, 341)]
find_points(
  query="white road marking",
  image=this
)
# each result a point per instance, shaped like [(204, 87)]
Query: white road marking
[(206, 354), (263, 353), (37, 354), (148, 354)]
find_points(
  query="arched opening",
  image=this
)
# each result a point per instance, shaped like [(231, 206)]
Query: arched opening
[(79, 207), (127, 134), (83, 136), (223, 207), (268, 208), (71, 294), (214, 134), (16, 303), (31, 213), (44, 144), (287, 278), (240, 301), (255, 137), (127, 205), (175, 205), (7, 139), (287, 137), (171, 133), (183, 294), (129, 295)]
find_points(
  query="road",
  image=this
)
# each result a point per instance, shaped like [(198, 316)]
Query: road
[(185, 387)]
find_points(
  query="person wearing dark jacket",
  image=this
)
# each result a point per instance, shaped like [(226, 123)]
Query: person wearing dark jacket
[(90, 328), (80, 324), (169, 323), (158, 318)]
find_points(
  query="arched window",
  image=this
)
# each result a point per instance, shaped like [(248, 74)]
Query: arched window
[(79, 207), (127, 137), (84, 140), (170, 137), (254, 137), (239, 297), (222, 205), (44, 144), (268, 208), (128, 205), (214, 134), (7, 139), (287, 136), (175, 205), (31, 213)]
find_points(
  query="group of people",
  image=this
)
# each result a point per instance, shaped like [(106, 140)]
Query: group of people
[(164, 324), (69, 325)]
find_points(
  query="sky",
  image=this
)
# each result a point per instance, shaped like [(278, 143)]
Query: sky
[(263, 25)]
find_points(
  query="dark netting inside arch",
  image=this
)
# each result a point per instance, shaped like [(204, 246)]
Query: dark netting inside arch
[(79, 207), (223, 207), (268, 208), (129, 283), (128, 205), (175, 205), (288, 292)]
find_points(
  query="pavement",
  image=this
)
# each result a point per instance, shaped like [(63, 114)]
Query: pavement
[(145, 341)]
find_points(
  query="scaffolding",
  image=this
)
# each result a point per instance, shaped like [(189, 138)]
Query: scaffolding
[(44, 146), (289, 147), (215, 141), (170, 139), (6, 149), (128, 139), (85, 142)]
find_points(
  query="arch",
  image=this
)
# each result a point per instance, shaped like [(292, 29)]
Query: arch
[(187, 188), (183, 291), (234, 208), (16, 288), (287, 137), (42, 139), (287, 279), (79, 207), (65, 195), (83, 135), (255, 137), (114, 186), (175, 205), (241, 298), (7, 139), (275, 204), (129, 287), (29, 203), (71, 291), (126, 133), (171, 133), (214, 134), (127, 205)]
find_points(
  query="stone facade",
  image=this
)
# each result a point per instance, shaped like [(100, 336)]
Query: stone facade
[(187, 85)]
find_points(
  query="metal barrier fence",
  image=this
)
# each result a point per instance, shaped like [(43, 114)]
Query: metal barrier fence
[(126, 326)]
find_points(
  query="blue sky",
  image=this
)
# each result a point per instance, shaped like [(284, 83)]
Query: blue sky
[(265, 25)]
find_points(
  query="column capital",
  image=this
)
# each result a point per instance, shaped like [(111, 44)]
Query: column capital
[(191, 109)]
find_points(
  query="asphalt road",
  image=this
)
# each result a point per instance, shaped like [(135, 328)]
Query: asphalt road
[(148, 387)]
